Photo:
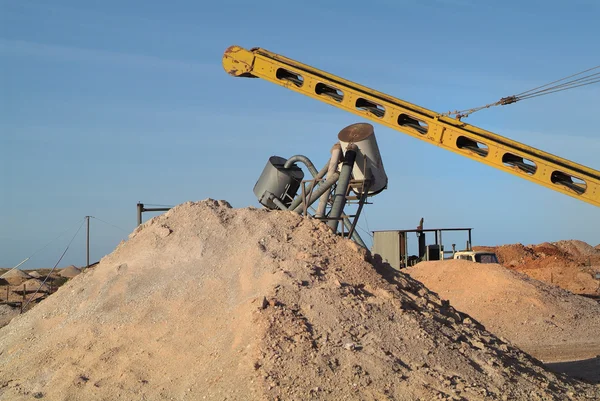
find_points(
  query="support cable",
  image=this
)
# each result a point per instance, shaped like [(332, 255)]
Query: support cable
[(562, 79), (105, 222), (535, 92), (41, 249), (51, 271)]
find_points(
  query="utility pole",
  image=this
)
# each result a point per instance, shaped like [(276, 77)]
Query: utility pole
[(88, 242)]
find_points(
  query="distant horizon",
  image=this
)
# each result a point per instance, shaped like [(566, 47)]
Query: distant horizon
[(413, 246)]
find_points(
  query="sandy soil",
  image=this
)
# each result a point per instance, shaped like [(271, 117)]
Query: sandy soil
[(534, 315), (210, 302), (548, 322)]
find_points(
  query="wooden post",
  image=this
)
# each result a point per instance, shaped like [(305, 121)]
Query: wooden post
[(23, 300)]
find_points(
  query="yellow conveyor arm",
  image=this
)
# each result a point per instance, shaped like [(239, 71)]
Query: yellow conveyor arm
[(543, 168)]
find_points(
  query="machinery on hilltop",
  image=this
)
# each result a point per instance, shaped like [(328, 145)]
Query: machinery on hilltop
[(355, 166), (353, 173)]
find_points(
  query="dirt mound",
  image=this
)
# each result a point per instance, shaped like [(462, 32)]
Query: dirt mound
[(33, 285), (15, 276), (569, 264), (34, 274), (577, 248), (7, 313), (69, 272), (548, 322), (209, 302)]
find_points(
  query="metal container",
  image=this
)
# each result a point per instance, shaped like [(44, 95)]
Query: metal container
[(279, 181), (368, 163)]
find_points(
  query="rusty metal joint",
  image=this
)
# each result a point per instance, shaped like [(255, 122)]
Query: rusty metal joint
[(508, 100)]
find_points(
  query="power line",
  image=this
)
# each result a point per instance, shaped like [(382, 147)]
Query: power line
[(105, 222)]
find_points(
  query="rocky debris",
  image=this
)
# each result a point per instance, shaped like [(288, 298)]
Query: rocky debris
[(577, 248), (569, 264), (245, 304)]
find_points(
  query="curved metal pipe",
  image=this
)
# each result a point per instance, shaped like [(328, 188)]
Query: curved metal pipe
[(303, 159), (329, 182), (336, 152), (320, 174)]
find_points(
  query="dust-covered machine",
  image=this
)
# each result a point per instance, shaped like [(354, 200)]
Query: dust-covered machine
[(353, 173)]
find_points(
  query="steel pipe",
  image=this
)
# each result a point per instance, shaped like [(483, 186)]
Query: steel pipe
[(336, 152), (303, 159), (339, 198)]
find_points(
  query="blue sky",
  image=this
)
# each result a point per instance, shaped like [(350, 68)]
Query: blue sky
[(104, 104)]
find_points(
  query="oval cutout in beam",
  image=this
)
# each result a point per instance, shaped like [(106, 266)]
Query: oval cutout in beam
[(404, 120), (479, 148), (372, 107), (566, 180), (287, 75), (330, 91), (519, 163)]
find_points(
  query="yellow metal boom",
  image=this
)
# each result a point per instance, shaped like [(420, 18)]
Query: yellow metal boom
[(543, 168)]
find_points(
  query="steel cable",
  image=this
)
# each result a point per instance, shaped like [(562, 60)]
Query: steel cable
[(41, 249), (558, 80), (105, 222), (536, 92), (51, 271)]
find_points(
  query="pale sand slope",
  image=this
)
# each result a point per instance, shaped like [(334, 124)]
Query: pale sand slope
[(209, 302), (548, 322)]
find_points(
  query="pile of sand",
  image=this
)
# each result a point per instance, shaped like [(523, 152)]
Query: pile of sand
[(578, 249), (546, 321), (15, 276), (7, 313), (34, 274), (569, 264), (33, 285), (209, 302), (69, 272)]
